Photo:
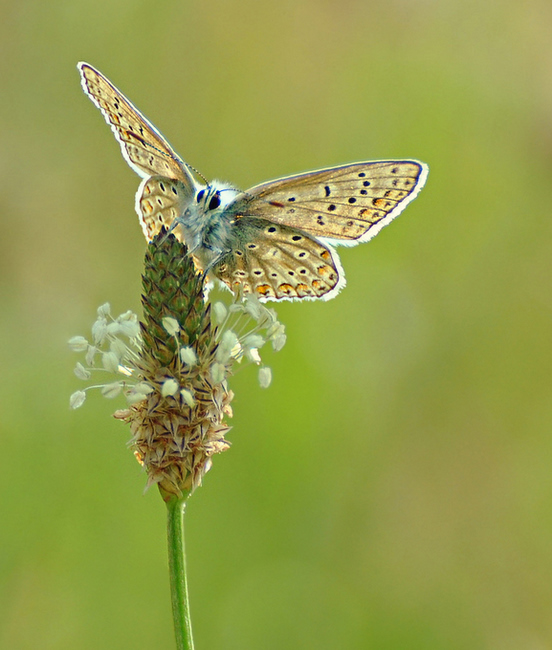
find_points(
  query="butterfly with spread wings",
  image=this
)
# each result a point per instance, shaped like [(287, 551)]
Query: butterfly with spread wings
[(276, 240)]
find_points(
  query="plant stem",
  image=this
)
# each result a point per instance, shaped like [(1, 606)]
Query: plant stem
[(177, 570)]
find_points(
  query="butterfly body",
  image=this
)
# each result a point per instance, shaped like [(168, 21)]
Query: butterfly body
[(205, 224), (275, 240)]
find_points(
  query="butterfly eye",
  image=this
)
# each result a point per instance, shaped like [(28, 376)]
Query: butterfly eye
[(214, 202), (200, 195)]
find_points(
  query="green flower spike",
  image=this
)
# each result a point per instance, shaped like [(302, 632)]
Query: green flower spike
[(178, 426), (173, 367)]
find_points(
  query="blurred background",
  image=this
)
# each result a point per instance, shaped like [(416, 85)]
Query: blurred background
[(393, 488)]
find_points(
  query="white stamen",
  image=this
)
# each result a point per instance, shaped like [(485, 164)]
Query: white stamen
[(119, 348), (171, 325), (278, 342), (78, 343), (99, 330), (81, 372), (218, 372), (130, 328), (134, 398), (253, 355), (143, 388), (253, 307), (128, 315), (253, 341), (104, 310), (90, 354), (265, 376), (187, 397), (114, 328), (110, 361), (169, 387), (77, 399), (219, 312), (227, 343), (188, 356), (112, 390)]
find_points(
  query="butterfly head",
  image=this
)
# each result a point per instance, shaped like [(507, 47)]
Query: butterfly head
[(214, 197)]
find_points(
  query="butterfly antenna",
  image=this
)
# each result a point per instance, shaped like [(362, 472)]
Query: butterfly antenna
[(197, 173), (231, 189), (171, 156), (145, 144)]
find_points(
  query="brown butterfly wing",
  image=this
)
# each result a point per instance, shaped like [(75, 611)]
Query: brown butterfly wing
[(279, 263), (159, 202), (348, 204), (142, 146)]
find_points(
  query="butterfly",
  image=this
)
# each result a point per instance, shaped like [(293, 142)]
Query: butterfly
[(276, 240)]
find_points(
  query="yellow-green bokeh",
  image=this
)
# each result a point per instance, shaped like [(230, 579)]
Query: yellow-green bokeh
[(393, 488)]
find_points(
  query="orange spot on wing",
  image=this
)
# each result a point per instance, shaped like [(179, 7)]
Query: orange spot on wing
[(380, 203), (324, 270), (303, 290), (286, 289), (264, 290), (319, 286)]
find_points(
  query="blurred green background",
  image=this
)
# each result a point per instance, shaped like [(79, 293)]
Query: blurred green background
[(393, 488)]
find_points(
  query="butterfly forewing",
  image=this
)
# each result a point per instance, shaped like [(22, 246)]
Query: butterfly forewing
[(279, 263), (349, 204), (143, 147)]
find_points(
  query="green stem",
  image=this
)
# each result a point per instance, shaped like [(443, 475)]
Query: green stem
[(177, 571)]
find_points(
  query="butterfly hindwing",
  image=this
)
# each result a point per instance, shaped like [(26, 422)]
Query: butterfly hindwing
[(279, 263), (160, 201), (143, 147), (347, 204)]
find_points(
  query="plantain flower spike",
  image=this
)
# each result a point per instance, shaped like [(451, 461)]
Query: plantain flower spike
[(173, 366)]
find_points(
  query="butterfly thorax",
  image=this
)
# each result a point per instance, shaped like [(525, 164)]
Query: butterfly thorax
[(204, 223)]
